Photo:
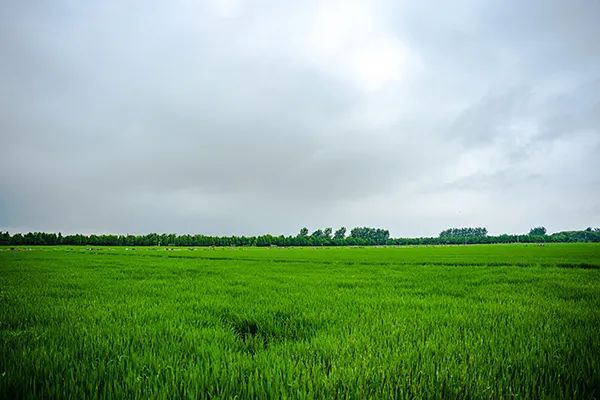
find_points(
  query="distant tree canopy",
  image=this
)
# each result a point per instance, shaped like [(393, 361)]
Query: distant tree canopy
[(537, 231), (303, 232), (360, 236), (464, 233), (370, 235), (340, 233)]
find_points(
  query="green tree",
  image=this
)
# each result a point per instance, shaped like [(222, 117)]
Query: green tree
[(340, 233), (537, 231), (367, 235), (318, 234)]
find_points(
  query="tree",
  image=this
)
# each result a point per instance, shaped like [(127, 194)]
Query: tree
[(4, 238), (538, 231), (327, 233), (318, 234), (462, 233), (303, 232), (370, 235), (340, 233)]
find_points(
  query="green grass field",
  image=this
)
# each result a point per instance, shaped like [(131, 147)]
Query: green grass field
[(487, 321)]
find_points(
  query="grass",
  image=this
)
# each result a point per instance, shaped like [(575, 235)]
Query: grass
[(485, 321)]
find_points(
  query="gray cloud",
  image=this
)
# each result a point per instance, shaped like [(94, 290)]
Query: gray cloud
[(574, 112), (228, 117), (487, 120)]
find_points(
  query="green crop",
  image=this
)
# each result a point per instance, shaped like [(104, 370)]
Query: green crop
[(485, 321)]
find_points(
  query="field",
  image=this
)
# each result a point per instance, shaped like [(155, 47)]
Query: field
[(485, 321)]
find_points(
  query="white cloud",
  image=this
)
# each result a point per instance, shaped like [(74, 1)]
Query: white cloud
[(351, 39)]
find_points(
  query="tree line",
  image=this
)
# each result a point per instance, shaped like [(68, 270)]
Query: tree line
[(464, 233), (359, 236), (320, 237)]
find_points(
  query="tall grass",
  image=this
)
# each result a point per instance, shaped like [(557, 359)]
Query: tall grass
[(500, 321)]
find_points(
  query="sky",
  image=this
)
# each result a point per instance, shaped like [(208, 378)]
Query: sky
[(247, 117)]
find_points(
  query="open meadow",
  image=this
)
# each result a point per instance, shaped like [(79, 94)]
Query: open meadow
[(483, 321)]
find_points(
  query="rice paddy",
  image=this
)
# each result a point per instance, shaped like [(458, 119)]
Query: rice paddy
[(484, 321)]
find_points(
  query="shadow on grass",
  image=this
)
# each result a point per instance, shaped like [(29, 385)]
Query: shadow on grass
[(258, 332)]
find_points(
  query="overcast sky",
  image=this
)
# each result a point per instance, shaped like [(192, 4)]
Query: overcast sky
[(248, 117)]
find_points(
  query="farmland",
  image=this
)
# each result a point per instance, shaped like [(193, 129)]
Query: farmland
[(483, 321)]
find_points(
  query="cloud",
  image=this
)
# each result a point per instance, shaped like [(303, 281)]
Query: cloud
[(230, 117), (574, 112), (490, 118)]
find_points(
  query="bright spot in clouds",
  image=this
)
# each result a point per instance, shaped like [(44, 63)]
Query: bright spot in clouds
[(351, 42), (378, 64), (226, 8)]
